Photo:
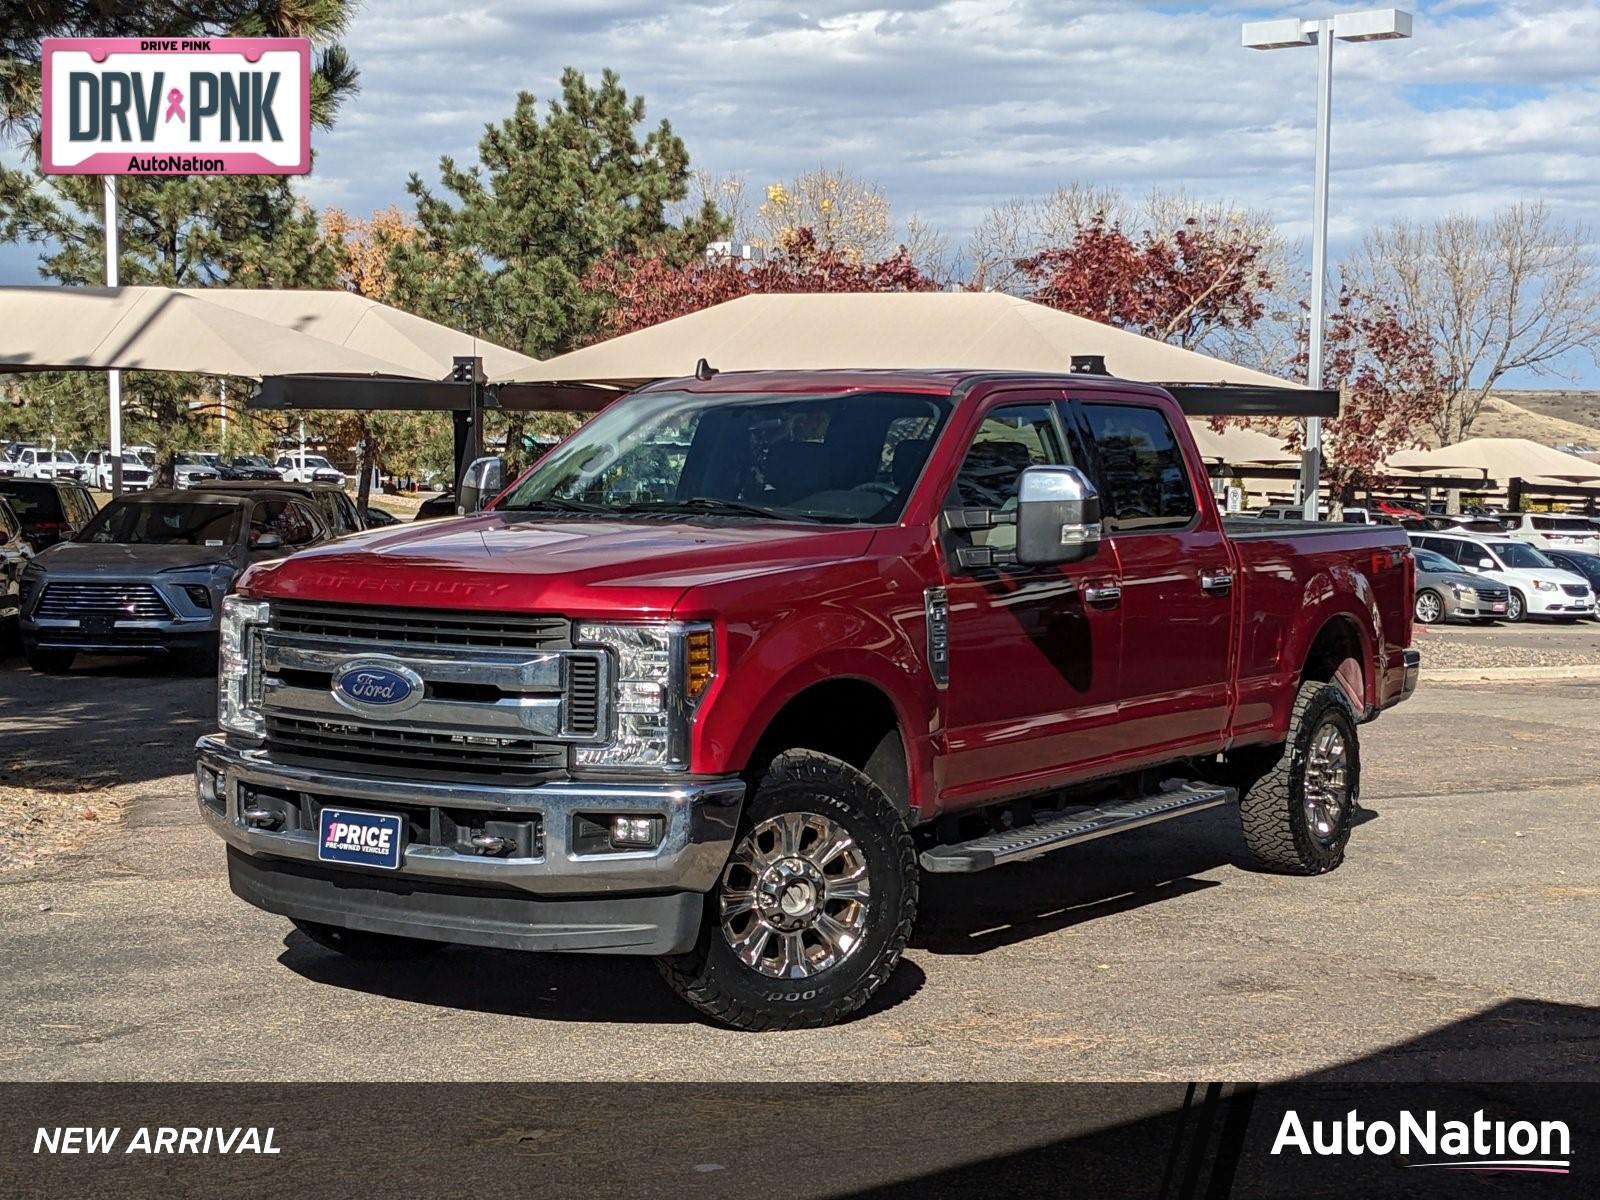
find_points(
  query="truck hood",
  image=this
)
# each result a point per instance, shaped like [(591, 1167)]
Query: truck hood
[(98, 560), (507, 561)]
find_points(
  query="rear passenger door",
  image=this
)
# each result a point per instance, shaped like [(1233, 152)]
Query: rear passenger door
[(1177, 588)]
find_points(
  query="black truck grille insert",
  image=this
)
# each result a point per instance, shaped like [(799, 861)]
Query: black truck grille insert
[(421, 626), (412, 752)]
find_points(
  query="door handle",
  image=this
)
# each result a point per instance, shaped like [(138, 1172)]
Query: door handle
[(1216, 582), (1102, 593)]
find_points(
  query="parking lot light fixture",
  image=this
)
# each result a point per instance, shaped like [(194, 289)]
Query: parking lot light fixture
[(1371, 25)]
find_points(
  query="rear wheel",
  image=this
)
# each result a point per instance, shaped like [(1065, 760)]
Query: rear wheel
[(815, 904), (359, 943), (1297, 816), (1516, 606), (50, 662), (1428, 607)]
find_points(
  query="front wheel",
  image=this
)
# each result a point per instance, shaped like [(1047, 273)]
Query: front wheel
[(814, 907), (1516, 606), (1297, 815), (1429, 607)]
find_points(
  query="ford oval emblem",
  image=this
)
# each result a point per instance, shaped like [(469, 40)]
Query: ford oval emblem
[(377, 686)]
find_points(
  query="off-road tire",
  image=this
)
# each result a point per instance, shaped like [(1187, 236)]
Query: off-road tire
[(50, 662), (1272, 812), (362, 944), (1516, 607), (714, 980)]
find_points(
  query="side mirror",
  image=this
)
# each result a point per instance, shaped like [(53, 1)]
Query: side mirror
[(482, 481), (268, 541), (1487, 564), (1058, 516)]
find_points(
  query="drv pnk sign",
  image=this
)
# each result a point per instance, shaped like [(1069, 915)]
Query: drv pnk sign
[(176, 106)]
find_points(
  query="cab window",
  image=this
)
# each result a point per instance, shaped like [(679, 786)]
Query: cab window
[(1010, 440), (1142, 472)]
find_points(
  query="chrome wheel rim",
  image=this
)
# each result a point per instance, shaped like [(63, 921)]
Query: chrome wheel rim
[(795, 896), (1428, 607), (1326, 790), (1514, 607)]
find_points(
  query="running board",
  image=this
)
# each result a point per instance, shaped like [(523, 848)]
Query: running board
[(1069, 829)]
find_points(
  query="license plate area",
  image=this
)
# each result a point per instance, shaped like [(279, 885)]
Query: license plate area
[(363, 839)]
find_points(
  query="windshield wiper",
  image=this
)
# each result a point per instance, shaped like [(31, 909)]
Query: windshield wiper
[(716, 505), (556, 504)]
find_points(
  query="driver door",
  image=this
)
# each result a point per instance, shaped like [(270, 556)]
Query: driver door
[(1033, 654)]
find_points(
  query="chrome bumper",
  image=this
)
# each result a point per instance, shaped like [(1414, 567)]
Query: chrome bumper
[(1412, 663), (700, 818)]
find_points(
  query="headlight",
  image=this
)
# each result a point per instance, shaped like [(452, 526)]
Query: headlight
[(661, 670), (1540, 585), (239, 681)]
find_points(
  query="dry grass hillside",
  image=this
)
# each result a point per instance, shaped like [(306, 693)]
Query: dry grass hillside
[(1549, 417)]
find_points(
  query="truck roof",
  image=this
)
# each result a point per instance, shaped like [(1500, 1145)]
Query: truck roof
[(931, 382)]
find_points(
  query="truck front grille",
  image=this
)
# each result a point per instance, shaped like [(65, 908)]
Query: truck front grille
[(427, 627), (125, 601), (385, 750)]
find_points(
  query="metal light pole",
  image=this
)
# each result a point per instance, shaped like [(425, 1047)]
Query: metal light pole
[(113, 377), (1377, 25)]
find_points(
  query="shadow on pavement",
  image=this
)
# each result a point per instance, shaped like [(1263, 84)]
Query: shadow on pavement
[(109, 720), (550, 987), (970, 914)]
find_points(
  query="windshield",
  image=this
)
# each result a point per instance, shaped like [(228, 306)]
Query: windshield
[(190, 460), (163, 523), (1519, 555), (1429, 561), (839, 458), (250, 460)]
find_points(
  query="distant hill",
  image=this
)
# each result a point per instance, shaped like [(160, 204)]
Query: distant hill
[(1551, 417)]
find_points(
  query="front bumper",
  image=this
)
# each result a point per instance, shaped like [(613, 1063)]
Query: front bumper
[(532, 897)]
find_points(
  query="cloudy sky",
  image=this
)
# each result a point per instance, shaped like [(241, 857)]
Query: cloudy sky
[(953, 105)]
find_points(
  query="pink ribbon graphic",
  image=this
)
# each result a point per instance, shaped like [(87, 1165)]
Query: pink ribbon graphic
[(175, 105)]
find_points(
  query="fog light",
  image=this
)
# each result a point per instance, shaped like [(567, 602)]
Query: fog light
[(641, 833), (199, 595)]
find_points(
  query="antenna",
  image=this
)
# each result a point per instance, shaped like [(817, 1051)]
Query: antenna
[(704, 370)]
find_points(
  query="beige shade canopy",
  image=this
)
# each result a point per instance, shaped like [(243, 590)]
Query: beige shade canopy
[(225, 331), (426, 349), (1238, 446), (1500, 459), (882, 330)]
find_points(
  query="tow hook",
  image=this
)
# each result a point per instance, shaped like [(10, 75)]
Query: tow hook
[(488, 843), (262, 818)]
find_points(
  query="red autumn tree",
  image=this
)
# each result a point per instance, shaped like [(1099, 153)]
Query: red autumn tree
[(1390, 389), (1173, 285), (644, 290)]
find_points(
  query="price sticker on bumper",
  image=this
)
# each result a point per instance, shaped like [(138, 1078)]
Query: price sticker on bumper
[(362, 838)]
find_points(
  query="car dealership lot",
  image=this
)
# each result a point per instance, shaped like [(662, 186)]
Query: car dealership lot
[(1467, 911)]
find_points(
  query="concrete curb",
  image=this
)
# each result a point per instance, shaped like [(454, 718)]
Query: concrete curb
[(1509, 674)]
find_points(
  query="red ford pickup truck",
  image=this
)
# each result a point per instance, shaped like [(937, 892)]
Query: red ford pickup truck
[(718, 678)]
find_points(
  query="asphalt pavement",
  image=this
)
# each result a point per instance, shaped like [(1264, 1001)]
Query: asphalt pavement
[(1460, 940)]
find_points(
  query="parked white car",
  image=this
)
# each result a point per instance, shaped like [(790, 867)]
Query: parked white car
[(1554, 531), (189, 469), (136, 474), (1538, 588), (38, 462), (312, 468)]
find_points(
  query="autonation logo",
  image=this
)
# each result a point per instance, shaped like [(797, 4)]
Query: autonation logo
[(1476, 1145)]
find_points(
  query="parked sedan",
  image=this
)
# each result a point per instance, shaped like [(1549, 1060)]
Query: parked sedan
[(1538, 587), (148, 574), (1445, 592)]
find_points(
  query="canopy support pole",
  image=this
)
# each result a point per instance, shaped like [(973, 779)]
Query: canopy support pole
[(114, 376), (469, 421)]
